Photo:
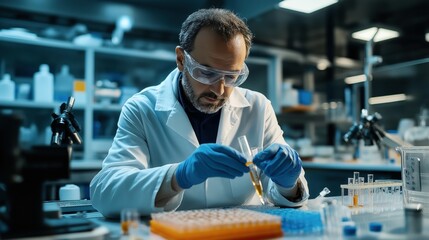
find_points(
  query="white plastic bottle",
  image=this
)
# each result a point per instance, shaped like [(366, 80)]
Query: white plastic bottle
[(7, 88), (69, 192), (419, 135), (43, 85), (63, 84), (290, 95)]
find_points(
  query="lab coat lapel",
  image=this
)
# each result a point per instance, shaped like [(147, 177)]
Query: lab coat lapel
[(177, 120), (230, 117), (228, 120)]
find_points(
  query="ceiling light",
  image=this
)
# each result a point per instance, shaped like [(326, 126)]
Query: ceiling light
[(355, 79), (306, 6), (125, 23), (323, 64), (347, 62), (427, 37), (388, 99), (376, 33)]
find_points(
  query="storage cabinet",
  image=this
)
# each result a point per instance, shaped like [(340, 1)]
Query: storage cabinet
[(21, 58), (130, 70)]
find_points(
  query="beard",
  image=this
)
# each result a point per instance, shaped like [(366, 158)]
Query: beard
[(197, 102)]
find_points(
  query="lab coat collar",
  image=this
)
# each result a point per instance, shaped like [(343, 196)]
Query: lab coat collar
[(168, 92), (237, 99)]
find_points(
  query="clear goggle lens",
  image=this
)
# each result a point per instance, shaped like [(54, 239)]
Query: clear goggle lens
[(209, 76)]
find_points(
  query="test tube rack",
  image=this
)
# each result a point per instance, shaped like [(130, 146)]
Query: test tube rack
[(230, 223), (378, 196)]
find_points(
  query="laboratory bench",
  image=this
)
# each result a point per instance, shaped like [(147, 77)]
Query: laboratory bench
[(321, 173), (296, 223)]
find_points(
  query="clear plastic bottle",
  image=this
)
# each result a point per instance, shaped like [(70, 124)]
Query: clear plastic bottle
[(419, 135), (63, 84), (43, 85), (7, 88)]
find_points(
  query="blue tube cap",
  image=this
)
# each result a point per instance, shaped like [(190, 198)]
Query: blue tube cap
[(375, 226), (349, 230)]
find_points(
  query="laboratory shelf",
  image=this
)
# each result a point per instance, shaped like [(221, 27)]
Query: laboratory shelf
[(37, 41), (33, 104), (152, 54), (301, 117), (86, 63), (107, 107)]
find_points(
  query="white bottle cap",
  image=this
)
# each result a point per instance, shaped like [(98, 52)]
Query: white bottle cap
[(6, 77), (65, 69), (69, 192), (44, 68)]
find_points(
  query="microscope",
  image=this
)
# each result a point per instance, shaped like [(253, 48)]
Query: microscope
[(23, 172), (371, 132)]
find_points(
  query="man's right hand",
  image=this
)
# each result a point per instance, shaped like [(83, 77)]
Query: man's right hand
[(210, 160)]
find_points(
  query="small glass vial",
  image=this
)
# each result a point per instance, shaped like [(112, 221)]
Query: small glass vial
[(130, 221)]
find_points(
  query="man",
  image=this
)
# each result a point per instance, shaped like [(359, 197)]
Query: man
[(176, 146)]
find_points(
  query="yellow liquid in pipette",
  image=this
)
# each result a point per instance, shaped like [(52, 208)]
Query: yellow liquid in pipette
[(256, 182)]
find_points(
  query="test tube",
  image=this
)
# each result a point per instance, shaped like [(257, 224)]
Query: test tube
[(355, 192), (370, 178), (371, 190), (256, 150), (254, 176), (397, 197), (350, 192), (355, 177), (130, 221), (362, 192)]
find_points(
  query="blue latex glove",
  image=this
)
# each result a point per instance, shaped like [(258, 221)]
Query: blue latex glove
[(210, 160), (280, 163)]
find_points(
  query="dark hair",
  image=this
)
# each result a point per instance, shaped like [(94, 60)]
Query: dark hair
[(223, 21)]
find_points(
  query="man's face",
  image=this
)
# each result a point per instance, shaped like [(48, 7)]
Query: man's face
[(212, 51), (206, 101)]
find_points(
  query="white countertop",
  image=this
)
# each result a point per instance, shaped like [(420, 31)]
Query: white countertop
[(350, 165)]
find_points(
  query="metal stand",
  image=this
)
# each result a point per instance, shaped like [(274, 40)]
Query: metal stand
[(370, 61)]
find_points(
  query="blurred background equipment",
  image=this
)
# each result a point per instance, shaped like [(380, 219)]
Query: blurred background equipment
[(23, 172), (370, 132), (123, 24)]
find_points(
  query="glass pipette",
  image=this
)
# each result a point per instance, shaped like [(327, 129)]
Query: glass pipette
[(254, 176)]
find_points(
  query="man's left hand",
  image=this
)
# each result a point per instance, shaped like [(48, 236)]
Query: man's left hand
[(281, 163)]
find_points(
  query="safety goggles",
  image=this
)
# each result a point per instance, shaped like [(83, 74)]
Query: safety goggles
[(209, 76)]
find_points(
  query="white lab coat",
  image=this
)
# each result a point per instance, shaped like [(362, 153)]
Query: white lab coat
[(154, 132)]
